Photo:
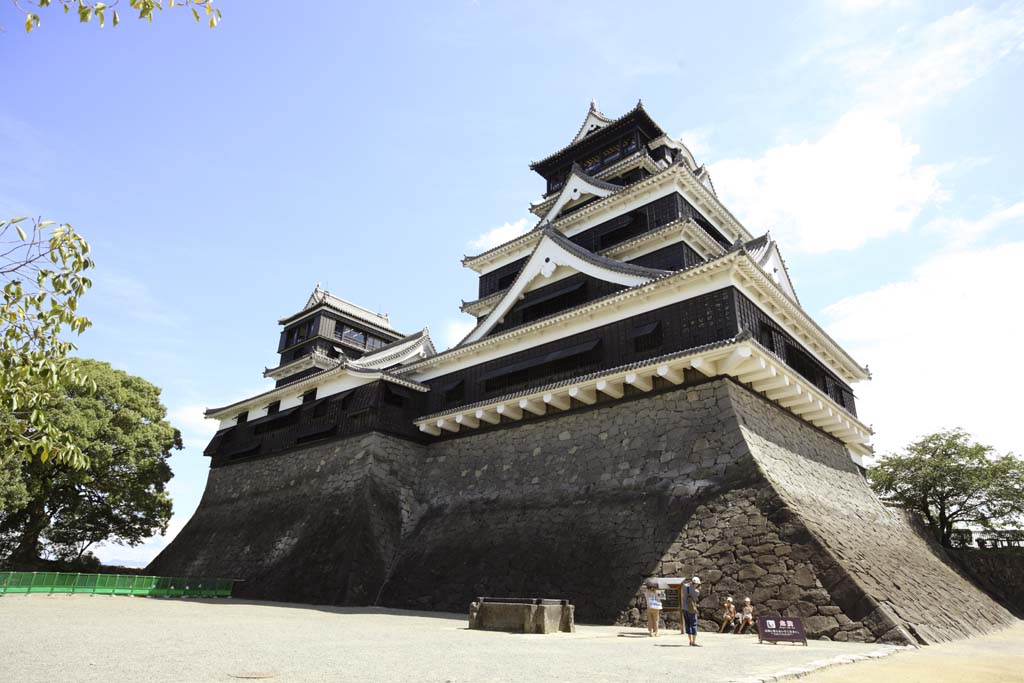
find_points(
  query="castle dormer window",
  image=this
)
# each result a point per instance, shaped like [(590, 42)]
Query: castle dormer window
[(309, 396), (299, 333), (274, 408), (647, 337), (242, 417)]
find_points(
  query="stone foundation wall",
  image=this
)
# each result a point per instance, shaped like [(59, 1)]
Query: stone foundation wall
[(1000, 571), (708, 480), (318, 525)]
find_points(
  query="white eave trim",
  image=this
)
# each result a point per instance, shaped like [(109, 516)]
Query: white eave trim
[(686, 184), (747, 362), (751, 281), (303, 385), (313, 360)]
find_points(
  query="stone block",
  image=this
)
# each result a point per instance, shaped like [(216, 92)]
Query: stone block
[(817, 626)]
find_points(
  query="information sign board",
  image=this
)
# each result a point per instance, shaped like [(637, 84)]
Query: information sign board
[(780, 630)]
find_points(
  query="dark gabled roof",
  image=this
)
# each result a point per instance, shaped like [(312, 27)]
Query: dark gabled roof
[(742, 336), (321, 297), (598, 260), (637, 113)]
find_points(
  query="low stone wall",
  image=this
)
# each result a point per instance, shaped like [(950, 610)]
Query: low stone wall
[(1000, 571), (521, 617), (708, 480)]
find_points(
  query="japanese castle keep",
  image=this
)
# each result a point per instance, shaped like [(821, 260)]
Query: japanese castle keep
[(642, 394)]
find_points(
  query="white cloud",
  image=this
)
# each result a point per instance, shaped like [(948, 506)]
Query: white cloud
[(942, 348), (920, 65), (196, 431), (961, 233), (500, 235), (129, 296), (862, 5), (697, 140), (455, 331), (856, 183)]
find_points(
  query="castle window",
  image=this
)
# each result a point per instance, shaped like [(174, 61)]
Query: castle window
[(242, 417), (393, 397), (351, 335), (647, 337), (766, 336), (552, 299), (274, 408), (558, 364), (299, 333), (309, 396), (454, 392)]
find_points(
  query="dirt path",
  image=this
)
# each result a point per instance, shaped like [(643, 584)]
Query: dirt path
[(997, 658)]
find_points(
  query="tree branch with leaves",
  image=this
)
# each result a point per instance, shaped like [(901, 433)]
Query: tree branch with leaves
[(42, 275), (953, 482), (87, 10)]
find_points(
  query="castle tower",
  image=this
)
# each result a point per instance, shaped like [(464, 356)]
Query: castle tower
[(642, 394)]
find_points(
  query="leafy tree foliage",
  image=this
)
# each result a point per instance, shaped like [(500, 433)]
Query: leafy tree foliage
[(951, 480), (121, 497), (87, 10), (42, 273)]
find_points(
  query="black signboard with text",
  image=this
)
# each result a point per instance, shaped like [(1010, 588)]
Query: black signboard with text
[(780, 630)]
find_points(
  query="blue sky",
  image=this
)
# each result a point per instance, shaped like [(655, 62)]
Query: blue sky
[(219, 174)]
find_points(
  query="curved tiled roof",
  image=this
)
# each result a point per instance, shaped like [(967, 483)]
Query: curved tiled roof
[(321, 297), (612, 123)]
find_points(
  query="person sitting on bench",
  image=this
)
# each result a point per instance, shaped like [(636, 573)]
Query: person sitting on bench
[(747, 618), (728, 615)]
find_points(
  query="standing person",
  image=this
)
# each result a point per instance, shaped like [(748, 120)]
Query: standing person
[(748, 616), (728, 615), (653, 596), (691, 599)]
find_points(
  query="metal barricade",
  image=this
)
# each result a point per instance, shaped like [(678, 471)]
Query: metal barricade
[(114, 584)]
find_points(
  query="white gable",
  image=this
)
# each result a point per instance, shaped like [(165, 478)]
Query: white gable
[(547, 257), (577, 189), (594, 121), (774, 267)]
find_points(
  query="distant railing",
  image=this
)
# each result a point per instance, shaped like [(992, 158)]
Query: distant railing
[(1009, 538), (114, 584)]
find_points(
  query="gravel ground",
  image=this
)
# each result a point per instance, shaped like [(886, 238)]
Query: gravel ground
[(995, 658), (104, 638)]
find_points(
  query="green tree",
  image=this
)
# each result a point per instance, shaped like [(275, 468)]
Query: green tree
[(950, 480), (42, 273), (121, 497), (87, 10)]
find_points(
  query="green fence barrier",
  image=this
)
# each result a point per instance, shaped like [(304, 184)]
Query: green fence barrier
[(114, 584)]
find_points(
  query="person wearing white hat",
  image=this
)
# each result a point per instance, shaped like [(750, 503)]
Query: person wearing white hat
[(653, 597), (691, 598), (728, 615), (748, 616)]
